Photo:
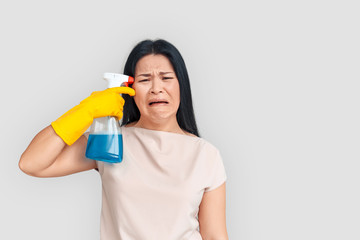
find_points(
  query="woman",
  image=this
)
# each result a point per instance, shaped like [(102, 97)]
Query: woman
[(171, 182)]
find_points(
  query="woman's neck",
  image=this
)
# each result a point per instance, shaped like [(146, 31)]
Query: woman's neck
[(167, 126)]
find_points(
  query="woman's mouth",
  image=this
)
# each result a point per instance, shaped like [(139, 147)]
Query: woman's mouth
[(158, 102)]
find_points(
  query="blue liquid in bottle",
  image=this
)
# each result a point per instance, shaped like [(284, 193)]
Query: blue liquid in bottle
[(103, 147)]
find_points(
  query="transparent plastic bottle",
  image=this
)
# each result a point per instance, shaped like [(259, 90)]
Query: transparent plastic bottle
[(105, 138)]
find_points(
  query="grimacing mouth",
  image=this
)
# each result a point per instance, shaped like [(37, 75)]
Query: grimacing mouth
[(158, 101)]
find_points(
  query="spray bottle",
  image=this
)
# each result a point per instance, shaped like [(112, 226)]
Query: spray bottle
[(105, 139)]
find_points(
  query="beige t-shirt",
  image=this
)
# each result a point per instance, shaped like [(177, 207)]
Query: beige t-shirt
[(155, 192)]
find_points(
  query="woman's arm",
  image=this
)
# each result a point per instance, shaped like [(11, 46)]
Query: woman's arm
[(59, 149), (212, 215), (48, 156)]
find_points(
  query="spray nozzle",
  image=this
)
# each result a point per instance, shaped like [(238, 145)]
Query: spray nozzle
[(117, 80), (130, 81)]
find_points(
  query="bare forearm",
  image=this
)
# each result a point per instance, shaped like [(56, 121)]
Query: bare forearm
[(41, 152)]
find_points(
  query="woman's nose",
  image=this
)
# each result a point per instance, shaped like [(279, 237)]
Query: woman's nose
[(156, 86)]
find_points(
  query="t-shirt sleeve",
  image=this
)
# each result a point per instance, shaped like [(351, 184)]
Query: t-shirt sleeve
[(218, 173)]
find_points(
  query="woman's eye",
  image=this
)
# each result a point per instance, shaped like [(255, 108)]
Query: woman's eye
[(165, 78), (143, 80)]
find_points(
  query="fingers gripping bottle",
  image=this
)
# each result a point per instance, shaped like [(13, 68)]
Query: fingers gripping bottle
[(105, 138)]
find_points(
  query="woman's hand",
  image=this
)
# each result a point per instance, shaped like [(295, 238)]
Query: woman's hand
[(74, 123)]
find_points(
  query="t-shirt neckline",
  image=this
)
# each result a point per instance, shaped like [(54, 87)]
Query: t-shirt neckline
[(161, 132)]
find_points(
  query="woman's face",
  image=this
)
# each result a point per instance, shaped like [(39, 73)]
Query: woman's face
[(157, 89)]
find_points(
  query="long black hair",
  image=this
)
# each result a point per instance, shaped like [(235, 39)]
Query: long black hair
[(185, 115)]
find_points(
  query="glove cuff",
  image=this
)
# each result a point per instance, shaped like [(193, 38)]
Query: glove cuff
[(72, 124)]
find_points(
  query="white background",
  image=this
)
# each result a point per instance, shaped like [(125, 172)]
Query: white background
[(275, 87)]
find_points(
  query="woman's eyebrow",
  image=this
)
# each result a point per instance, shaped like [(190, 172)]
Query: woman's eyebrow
[(162, 73), (148, 74), (144, 75)]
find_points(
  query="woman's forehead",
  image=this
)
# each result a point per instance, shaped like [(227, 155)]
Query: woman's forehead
[(154, 63)]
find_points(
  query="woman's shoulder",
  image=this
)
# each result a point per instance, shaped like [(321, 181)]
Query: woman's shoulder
[(209, 145), (201, 143)]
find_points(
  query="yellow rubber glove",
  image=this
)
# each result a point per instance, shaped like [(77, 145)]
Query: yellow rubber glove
[(77, 120)]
